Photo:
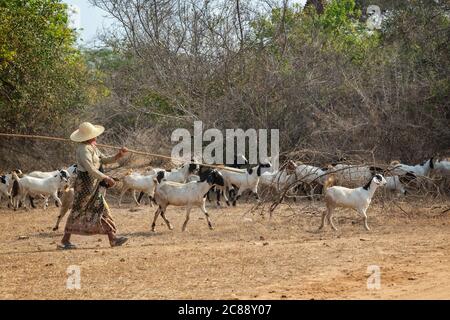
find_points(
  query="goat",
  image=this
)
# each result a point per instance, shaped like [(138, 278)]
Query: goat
[(398, 183), (4, 187), (277, 179), (422, 169), (192, 194), (179, 175), (31, 185), (353, 174), (310, 179), (136, 181), (358, 199), (203, 172), (245, 180), (442, 167), (72, 171)]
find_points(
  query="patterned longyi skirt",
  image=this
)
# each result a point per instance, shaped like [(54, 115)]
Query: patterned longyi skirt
[(90, 213)]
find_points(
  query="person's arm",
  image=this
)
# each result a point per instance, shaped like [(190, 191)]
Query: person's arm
[(85, 158), (107, 160)]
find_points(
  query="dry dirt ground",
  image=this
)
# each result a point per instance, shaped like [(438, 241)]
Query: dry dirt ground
[(246, 256)]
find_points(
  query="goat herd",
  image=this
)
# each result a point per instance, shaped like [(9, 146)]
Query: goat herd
[(191, 184)]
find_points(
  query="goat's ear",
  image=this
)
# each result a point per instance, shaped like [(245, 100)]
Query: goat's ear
[(377, 179)]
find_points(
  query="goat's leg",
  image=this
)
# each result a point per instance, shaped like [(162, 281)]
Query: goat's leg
[(163, 215), (124, 190), (141, 194), (330, 218), (324, 214), (188, 212), (158, 211), (31, 199), (236, 195), (46, 202), (134, 198), (217, 191), (364, 215), (150, 200), (59, 193), (255, 193), (223, 190), (57, 199), (23, 201), (202, 207)]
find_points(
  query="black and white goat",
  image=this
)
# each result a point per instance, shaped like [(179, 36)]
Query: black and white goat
[(244, 180), (4, 187), (72, 171), (192, 194), (358, 199), (45, 186), (422, 169)]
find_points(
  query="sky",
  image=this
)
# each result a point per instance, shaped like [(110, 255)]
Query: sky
[(91, 19)]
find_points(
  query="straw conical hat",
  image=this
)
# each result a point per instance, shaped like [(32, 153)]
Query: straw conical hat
[(86, 131)]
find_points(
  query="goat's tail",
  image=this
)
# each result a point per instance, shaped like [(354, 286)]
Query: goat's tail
[(329, 182)]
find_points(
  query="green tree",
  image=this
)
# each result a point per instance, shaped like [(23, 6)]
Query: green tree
[(43, 77)]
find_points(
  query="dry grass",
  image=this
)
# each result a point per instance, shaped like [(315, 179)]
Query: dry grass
[(245, 257)]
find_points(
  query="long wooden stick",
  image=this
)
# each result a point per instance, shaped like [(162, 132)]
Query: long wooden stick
[(30, 136)]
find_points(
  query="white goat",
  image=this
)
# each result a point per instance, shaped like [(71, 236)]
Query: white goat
[(358, 199), (245, 180), (179, 175), (72, 170), (192, 194), (31, 185), (398, 183), (353, 174), (278, 179), (192, 178), (137, 182), (442, 167), (422, 169)]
